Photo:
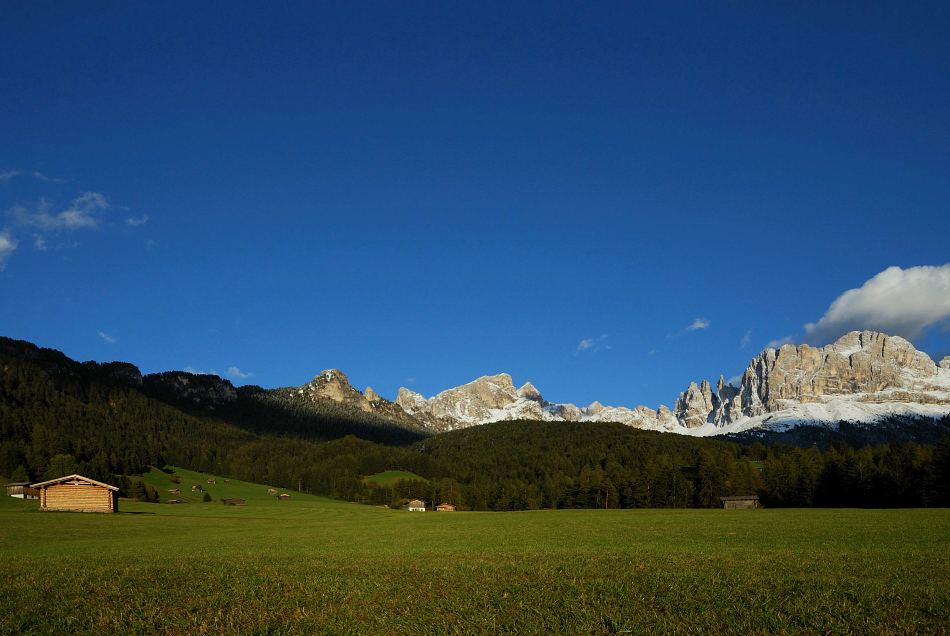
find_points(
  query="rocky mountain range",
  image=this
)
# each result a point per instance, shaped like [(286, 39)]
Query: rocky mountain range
[(862, 377)]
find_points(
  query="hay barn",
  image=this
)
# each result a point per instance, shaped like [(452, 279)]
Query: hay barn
[(211, 480), (283, 495), (445, 507), (196, 488), (416, 506), (22, 490), (743, 502), (271, 491), (174, 492), (78, 494)]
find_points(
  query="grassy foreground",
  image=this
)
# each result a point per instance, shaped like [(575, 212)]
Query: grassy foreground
[(314, 566)]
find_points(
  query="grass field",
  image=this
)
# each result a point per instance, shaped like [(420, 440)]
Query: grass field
[(314, 566), (390, 477)]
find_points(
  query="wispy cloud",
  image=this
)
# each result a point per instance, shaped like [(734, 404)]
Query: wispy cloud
[(7, 246), (39, 242), (411, 380), (6, 177), (699, 323), (133, 222), (197, 372), (651, 352), (81, 214), (746, 339), (898, 302), (235, 373), (592, 345), (43, 177), (107, 337), (735, 380), (778, 342)]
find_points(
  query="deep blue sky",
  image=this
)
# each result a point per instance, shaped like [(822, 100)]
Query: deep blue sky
[(420, 194)]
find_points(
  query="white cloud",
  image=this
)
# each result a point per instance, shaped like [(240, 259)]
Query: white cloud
[(746, 339), (43, 177), (651, 352), (6, 177), (39, 242), (197, 372), (735, 380), (81, 214), (699, 323), (7, 245), (898, 302), (133, 222), (592, 344), (235, 373), (778, 342), (107, 337), (410, 380)]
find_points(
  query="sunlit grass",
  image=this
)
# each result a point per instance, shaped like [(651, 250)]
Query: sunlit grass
[(313, 566)]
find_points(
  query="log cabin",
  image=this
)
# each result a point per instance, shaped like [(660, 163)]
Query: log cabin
[(283, 495), (78, 494), (22, 490), (744, 502), (445, 507)]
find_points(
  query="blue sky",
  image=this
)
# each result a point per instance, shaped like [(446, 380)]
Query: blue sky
[(607, 199)]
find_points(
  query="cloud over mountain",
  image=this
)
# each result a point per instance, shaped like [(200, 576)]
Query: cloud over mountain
[(900, 302)]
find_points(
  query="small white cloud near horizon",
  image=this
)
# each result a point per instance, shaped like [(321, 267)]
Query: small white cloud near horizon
[(197, 372), (235, 373), (133, 222), (746, 339), (898, 302), (7, 246), (411, 380), (592, 344), (6, 177), (735, 380), (778, 342), (107, 337), (699, 323)]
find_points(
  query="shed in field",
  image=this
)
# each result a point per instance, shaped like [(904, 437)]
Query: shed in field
[(227, 481), (742, 502), (445, 507), (283, 495), (416, 506), (174, 492), (210, 480), (22, 490), (174, 501), (78, 494), (233, 502), (271, 491), (196, 488)]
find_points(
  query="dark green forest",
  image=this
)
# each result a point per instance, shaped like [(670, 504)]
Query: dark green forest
[(58, 416)]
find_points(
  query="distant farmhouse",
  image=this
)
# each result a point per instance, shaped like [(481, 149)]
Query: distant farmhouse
[(78, 494), (416, 506), (743, 502), (445, 507), (22, 490)]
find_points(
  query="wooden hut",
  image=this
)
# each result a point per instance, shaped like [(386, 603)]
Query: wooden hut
[(174, 501), (742, 502), (79, 494), (283, 495), (271, 491), (210, 480), (196, 488), (445, 507), (174, 492), (227, 481), (233, 502), (416, 506), (22, 490)]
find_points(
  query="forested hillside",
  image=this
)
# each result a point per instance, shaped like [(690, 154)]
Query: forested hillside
[(58, 416)]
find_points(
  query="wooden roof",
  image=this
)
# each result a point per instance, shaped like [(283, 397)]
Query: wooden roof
[(60, 480), (739, 498)]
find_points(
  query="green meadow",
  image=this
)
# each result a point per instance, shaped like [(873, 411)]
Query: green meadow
[(315, 566)]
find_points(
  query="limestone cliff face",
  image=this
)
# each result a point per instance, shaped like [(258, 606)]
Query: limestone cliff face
[(207, 391), (861, 367)]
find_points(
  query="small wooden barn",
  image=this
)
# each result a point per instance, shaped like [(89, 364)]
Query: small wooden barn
[(741, 502), (174, 492), (211, 480), (271, 491), (196, 488), (227, 481), (233, 502), (79, 494), (22, 490), (416, 506), (174, 501), (445, 507), (283, 495)]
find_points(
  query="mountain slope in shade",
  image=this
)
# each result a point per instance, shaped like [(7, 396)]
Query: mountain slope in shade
[(863, 377)]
